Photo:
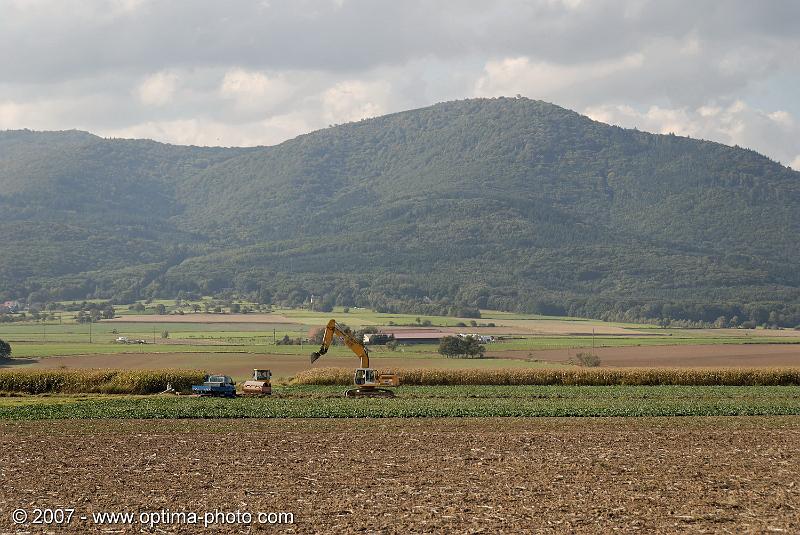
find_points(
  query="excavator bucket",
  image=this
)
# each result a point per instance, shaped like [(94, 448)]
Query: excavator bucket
[(317, 354)]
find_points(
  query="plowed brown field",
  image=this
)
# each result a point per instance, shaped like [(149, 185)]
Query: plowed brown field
[(746, 355), (691, 475)]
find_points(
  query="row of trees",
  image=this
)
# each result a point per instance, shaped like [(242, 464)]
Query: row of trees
[(466, 347)]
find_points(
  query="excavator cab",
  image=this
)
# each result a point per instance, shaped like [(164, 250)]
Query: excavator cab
[(365, 377)]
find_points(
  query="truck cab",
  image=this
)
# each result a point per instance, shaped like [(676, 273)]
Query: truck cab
[(216, 385)]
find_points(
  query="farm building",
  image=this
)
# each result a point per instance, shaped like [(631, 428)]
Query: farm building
[(483, 339), (417, 336), (9, 306), (377, 338)]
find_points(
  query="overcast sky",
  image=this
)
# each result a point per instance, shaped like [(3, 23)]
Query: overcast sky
[(260, 72)]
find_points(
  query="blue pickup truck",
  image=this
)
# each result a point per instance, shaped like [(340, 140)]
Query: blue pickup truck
[(216, 385)]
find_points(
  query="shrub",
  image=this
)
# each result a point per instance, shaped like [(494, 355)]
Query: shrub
[(458, 347), (588, 360)]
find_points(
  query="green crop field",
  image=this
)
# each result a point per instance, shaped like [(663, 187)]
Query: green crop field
[(322, 402)]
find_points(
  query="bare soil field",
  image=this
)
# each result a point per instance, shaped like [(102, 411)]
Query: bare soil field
[(544, 327), (555, 327), (202, 318), (490, 475), (771, 333), (567, 327), (745, 355)]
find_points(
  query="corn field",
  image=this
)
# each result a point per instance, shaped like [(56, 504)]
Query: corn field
[(97, 381), (582, 377)]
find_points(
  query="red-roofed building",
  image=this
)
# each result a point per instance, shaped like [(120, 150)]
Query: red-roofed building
[(417, 336)]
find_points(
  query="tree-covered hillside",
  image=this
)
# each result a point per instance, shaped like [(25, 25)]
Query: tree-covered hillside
[(502, 203)]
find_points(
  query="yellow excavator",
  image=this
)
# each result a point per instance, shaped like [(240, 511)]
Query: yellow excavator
[(367, 380)]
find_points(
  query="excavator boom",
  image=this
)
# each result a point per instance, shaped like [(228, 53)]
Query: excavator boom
[(333, 329)]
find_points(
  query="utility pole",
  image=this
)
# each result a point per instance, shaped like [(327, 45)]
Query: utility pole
[(44, 331), (154, 334), (274, 338), (592, 340), (90, 328)]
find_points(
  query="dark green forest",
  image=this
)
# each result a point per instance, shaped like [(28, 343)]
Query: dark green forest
[(504, 203)]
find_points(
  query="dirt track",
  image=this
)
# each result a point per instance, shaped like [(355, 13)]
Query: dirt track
[(400, 476), (745, 355)]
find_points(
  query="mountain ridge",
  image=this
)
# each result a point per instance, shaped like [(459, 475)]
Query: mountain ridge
[(511, 203)]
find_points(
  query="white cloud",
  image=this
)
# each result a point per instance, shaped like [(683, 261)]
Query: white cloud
[(772, 133), (253, 71), (239, 82), (255, 92), (569, 4), (208, 132), (511, 76), (36, 114), (352, 100), (709, 111), (158, 89), (783, 118), (691, 46), (795, 164), (10, 114)]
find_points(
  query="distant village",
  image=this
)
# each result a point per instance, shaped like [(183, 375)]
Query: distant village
[(10, 307), (418, 336)]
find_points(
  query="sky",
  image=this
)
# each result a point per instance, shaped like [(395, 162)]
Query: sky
[(243, 73)]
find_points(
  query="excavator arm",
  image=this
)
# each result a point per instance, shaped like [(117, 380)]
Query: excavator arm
[(333, 329)]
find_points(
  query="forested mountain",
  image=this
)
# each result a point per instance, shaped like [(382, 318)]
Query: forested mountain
[(502, 203)]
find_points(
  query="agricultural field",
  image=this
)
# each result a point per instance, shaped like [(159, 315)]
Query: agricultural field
[(236, 343), (484, 475), (58, 394), (419, 402), (521, 438)]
